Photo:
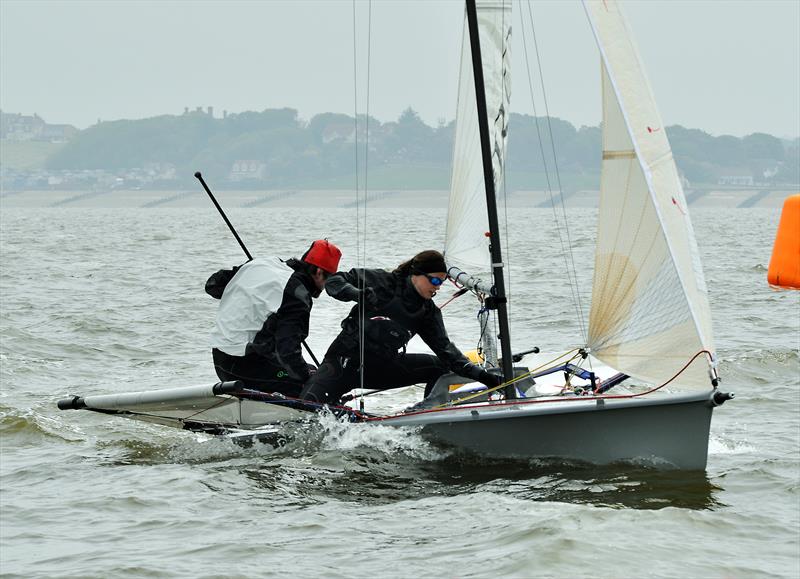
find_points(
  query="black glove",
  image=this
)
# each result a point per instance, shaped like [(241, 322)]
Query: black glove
[(489, 379), (367, 297)]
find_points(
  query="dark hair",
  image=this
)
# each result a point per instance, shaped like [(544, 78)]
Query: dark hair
[(300, 265), (303, 267), (422, 262)]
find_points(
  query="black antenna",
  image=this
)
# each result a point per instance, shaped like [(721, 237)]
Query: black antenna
[(491, 202), (221, 212)]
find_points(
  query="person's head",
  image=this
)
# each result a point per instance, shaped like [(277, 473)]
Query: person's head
[(323, 257), (427, 271)]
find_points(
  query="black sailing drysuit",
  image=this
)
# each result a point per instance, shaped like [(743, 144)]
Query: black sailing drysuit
[(264, 351), (393, 312)]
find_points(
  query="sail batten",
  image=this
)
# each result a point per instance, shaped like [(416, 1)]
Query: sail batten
[(629, 154), (645, 243)]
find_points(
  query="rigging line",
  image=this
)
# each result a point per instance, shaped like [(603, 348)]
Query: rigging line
[(558, 179), (164, 417), (212, 407), (361, 216), (355, 130), (570, 265), (359, 262), (541, 149), (366, 193), (359, 283)]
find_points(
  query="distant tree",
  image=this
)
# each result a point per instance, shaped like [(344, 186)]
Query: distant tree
[(789, 171), (692, 149), (269, 119), (411, 136), (441, 143), (126, 144), (319, 123), (533, 142), (726, 150), (762, 146)]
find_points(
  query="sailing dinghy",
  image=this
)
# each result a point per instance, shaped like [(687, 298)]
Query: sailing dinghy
[(649, 318)]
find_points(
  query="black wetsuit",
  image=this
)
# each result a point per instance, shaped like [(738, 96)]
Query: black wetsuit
[(273, 360), (397, 314)]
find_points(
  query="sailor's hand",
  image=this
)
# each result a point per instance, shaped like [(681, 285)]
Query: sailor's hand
[(367, 297), (489, 379)]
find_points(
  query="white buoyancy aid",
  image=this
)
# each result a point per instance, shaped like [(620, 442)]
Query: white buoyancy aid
[(252, 295)]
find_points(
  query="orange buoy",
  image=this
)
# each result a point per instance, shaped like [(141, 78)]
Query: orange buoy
[(784, 266)]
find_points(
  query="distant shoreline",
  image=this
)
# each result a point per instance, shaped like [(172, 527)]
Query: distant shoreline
[(388, 199)]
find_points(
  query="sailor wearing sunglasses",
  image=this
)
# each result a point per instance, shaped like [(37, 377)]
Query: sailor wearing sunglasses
[(391, 308)]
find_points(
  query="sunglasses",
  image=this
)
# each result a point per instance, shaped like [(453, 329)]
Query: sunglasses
[(435, 281)]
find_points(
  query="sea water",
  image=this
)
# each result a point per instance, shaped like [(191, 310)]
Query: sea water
[(97, 300)]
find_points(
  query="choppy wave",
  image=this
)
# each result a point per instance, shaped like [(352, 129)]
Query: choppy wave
[(19, 428)]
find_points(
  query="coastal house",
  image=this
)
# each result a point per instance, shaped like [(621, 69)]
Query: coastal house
[(741, 180), (244, 170), (19, 127), (57, 133)]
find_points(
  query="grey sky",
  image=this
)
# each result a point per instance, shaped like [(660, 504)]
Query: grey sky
[(724, 66)]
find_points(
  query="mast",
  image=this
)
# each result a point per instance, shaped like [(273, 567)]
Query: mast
[(491, 201)]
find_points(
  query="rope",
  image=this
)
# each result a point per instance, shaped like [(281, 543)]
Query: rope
[(509, 382), (547, 364), (337, 410), (693, 358), (357, 174), (458, 294), (485, 322)]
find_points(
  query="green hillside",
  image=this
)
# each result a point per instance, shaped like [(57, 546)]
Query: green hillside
[(26, 155)]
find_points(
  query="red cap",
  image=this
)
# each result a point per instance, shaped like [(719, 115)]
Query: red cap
[(324, 255)]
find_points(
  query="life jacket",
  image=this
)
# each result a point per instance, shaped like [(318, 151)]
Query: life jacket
[(387, 334), (385, 337)]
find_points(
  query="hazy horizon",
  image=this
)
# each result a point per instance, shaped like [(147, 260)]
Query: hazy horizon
[(712, 64)]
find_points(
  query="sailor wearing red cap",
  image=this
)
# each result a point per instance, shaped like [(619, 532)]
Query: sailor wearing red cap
[(263, 316)]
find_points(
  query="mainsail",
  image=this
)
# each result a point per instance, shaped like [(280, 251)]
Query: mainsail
[(466, 245), (650, 312)]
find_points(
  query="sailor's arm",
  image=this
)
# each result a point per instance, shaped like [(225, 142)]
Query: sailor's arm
[(344, 286), (291, 329)]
